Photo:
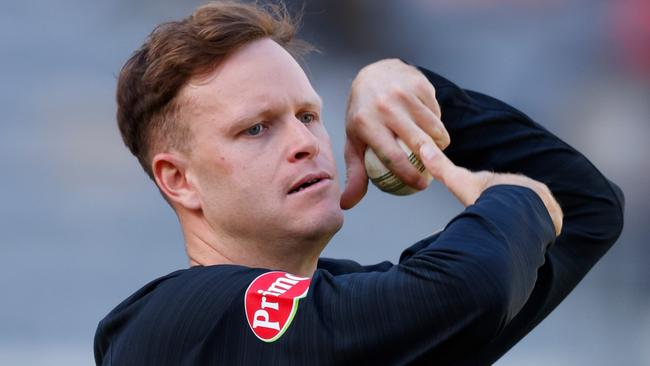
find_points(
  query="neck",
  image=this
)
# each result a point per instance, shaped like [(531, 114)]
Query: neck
[(206, 246)]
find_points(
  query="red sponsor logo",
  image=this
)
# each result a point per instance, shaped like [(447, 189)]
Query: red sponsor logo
[(271, 301)]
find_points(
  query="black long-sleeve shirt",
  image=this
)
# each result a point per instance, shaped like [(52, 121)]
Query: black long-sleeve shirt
[(462, 296)]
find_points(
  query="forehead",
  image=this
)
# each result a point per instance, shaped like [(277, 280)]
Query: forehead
[(259, 76)]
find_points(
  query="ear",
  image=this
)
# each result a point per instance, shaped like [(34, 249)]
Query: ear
[(171, 174)]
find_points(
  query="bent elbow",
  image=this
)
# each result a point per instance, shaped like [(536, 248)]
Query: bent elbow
[(611, 215), (596, 216), (618, 209)]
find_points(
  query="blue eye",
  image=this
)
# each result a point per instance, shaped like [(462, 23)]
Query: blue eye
[(306, 118), (255, 130)]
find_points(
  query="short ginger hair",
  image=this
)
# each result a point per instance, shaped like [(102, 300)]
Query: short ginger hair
[(148, 111)]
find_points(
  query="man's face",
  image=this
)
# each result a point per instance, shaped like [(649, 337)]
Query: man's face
[(257, 135)]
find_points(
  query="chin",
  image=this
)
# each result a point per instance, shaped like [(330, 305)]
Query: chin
[(323, 227)]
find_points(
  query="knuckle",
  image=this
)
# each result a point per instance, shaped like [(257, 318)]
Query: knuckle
[(349, 130), (419, 141), (416, 138), (394, 157), (383, 104), (423, 86), (410, 175), (357, 120), (398, 93)]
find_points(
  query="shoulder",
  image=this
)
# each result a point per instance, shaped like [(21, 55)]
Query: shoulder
[(179, 286), (183, 305)]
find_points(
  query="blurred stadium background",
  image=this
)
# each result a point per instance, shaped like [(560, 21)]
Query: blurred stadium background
[(81, 227)]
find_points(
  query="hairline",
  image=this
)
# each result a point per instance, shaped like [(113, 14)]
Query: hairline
[(182, 102)]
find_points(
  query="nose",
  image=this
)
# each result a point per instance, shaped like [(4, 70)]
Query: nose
[(303, 144)]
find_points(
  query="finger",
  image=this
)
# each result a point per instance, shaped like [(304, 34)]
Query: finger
[(462, 183), (431, 124), (411, 133), (427, 94), (427, 122), (385, 146), (438, 165), (356, 183)]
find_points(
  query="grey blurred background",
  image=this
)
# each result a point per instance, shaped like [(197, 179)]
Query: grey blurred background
[(81, 227)]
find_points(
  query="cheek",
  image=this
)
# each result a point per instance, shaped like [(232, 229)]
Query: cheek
[(212, 175), (225, 166), (219, 169), (241, 179), (326, 148)]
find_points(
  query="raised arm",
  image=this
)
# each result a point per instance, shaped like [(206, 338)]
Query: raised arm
[(455, 294), (487, 134), (484, 264)]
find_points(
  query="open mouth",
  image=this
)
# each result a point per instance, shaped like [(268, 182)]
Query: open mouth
[(305, 185)]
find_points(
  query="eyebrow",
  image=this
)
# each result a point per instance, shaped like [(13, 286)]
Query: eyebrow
[(316, 103)]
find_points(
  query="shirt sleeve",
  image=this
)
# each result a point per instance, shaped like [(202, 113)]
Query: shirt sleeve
[(487, 134), (457, 292)]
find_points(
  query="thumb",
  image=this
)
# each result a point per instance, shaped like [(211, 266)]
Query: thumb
[(462, 183), (357, 180)]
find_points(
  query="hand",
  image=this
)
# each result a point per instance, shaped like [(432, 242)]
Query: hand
[(467, 186), (389, 98)]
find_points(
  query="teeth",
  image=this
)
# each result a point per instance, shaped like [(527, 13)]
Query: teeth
[(306, 184)]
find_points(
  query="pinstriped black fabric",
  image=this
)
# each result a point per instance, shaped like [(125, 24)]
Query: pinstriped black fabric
[(462, 296), (489, 134)]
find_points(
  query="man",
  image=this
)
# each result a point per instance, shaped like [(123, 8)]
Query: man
[(226, 123)]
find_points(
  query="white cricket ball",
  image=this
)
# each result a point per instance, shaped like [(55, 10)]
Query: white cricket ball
[(385, 180)]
